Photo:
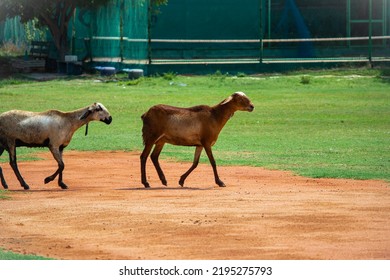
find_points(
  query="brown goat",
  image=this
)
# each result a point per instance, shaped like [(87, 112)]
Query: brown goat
[(197, 126)]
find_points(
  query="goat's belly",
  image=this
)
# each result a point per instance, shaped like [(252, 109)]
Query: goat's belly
[(181, 141), (39, 144), (184, 143), (187, 134)]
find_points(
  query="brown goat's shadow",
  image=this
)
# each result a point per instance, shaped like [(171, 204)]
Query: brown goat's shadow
[(165, 188)]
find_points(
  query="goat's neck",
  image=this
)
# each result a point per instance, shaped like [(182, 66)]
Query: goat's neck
[(75, 118), (224, 112)]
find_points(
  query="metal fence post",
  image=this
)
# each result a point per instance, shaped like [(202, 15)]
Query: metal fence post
[(370, 32)]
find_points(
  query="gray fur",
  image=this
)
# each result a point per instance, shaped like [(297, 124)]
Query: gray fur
[(53, 129)]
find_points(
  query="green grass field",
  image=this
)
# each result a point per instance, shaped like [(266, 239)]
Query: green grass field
[(318, 124), (4, 194), (6, 255)]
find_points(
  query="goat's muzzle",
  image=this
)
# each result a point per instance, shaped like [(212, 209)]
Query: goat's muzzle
[(107, 120), (250, 108)]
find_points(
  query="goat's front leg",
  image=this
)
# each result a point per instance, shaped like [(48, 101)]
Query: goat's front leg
[(3, 183), (214, 165), (57, 154), (183, 177), (14, 165)]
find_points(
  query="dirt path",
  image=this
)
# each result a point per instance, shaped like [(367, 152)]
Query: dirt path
[(261, 214)]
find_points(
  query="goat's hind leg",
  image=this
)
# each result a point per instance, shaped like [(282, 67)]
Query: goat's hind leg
[(143, 158), (183, 177), (155, 154), (57, 154), (14, 165), (3, 183)]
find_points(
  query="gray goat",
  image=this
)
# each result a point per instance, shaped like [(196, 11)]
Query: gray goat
[(52, 129)]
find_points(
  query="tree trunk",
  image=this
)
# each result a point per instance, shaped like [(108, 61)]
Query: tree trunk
[(58, 26)]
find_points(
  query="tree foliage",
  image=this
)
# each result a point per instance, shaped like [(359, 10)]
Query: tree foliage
[(55, 14)]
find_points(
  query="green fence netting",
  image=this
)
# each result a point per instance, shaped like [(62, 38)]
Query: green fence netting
[(117, 32), (130, 32), (13, 31)]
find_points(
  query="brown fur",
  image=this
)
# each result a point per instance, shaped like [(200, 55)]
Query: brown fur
[(197, 126)]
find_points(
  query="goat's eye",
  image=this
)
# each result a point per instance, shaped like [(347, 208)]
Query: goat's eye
[(99, 109)]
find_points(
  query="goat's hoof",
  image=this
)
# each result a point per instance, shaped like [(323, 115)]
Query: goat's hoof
[(221, 184), (5, 187), (26, 187), (63, 186), (146, 185), (48, 180)]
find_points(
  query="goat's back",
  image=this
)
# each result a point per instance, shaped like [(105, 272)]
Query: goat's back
[(9, 120), (30, 127), (162, 113)]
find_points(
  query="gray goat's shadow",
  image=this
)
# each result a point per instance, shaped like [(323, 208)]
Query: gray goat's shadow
[(40, 190)]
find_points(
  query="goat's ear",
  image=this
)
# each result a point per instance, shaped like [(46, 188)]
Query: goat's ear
[(90, 109), (227, 100), (86, 114)]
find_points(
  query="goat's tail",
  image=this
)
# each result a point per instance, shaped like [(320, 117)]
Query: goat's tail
[(149, 127), (143, 136), (144, 127)]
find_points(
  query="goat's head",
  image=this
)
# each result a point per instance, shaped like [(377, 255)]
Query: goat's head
[(241, 101), (97, 112)]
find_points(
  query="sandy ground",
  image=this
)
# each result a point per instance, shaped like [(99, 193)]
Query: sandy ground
[(107, 214)]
